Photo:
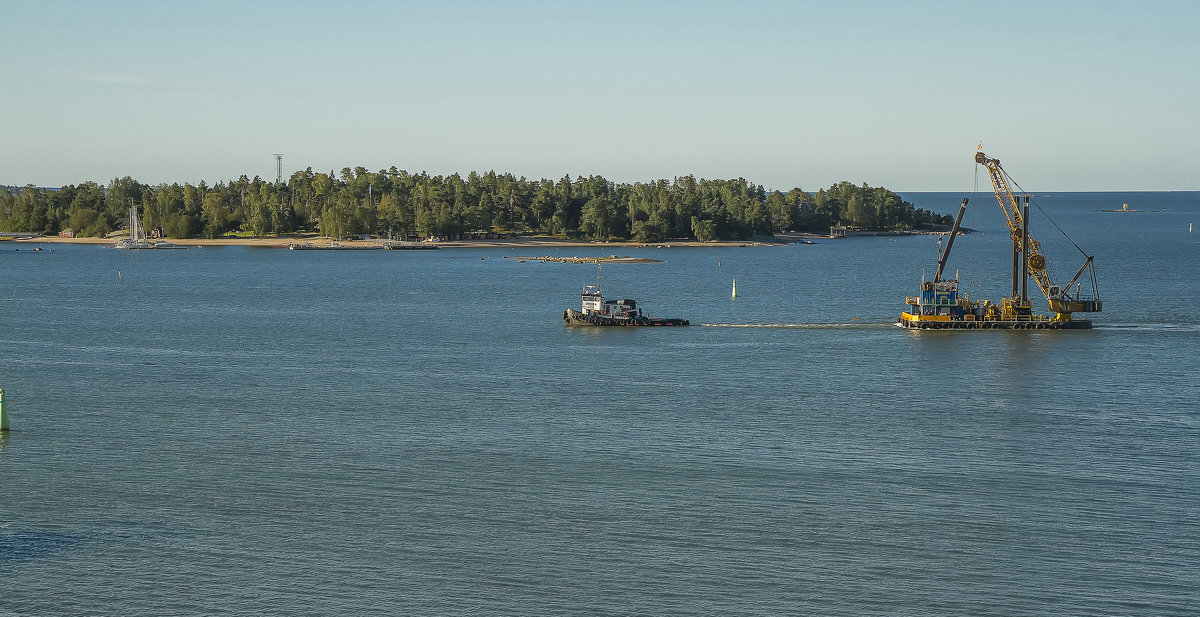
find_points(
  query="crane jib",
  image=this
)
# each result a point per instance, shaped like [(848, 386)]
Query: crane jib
[(1030, 250), (950, 242)]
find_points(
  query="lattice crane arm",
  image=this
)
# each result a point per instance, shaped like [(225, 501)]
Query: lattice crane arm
[(1055, 296), (1008, 203)]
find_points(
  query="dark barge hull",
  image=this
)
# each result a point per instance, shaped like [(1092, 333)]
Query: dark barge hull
[(1045, 324), (576, 318)]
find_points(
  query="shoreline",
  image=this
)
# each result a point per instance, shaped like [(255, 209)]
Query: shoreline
[(530, 242), (283, 242)]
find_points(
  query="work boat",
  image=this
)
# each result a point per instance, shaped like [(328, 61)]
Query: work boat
[(940, 307), (596, 311)]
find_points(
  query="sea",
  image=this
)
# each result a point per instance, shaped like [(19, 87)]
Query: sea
[(254, 431)]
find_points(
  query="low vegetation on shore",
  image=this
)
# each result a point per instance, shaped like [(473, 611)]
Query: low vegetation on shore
[(399, 203)]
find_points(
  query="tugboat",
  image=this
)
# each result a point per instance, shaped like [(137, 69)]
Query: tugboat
[(940, 307), (596, 311)]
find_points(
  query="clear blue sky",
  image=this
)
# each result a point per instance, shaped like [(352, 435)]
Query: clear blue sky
[(1070, 95)]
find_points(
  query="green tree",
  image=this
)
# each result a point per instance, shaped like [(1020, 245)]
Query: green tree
[(214, 214), (702, 230), (88, 222), (182, 225), (595, 220)]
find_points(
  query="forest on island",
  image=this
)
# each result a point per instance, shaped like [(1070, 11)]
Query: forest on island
[(398, 203)]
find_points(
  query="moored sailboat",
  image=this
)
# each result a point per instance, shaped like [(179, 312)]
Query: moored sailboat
[(137, 235)]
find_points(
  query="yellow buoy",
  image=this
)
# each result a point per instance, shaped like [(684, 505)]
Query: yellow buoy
[(734, 295), (3, 412)]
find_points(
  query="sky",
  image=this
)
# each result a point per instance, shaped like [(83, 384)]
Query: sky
[(1069, 95)]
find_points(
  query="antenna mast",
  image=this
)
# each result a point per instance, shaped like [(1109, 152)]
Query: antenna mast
[(278, 169)]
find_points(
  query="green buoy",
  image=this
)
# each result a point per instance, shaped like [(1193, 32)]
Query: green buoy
[(3, 412)]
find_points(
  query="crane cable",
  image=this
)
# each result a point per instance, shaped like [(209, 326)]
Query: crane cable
[(1039, 207), (975, 198), (975, 194)]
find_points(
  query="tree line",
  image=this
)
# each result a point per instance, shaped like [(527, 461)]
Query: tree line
[(398, 203)]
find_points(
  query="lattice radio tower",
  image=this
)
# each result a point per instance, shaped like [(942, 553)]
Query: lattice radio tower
[(278, 169)]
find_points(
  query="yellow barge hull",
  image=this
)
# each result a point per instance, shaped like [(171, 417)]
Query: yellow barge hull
[(943, 322)]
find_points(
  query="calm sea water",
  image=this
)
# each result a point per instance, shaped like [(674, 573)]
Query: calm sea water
[(253, 431)]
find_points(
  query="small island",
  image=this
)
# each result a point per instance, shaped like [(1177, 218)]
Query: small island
[(489, 206)]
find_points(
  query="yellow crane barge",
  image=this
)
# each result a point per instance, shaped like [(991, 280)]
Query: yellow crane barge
[(940, 307)]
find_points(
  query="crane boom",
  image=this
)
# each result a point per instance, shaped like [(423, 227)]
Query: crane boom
[(950, 241), (1016, 224), (1023, 242)]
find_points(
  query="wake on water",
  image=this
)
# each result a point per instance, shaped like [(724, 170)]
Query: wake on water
[(1160, 327), (859, 326)]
